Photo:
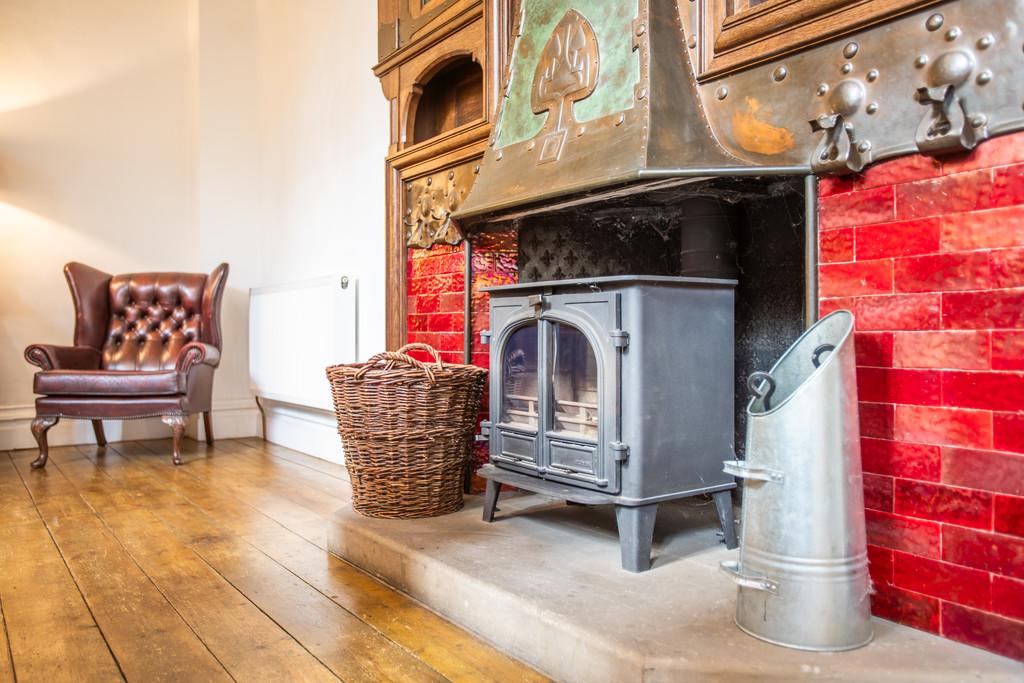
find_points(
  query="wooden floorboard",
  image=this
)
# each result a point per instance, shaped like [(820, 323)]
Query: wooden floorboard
[(216, 569), (50, 633)]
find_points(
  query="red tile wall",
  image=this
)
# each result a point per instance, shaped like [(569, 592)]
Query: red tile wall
[(929, 255), (436, 290)]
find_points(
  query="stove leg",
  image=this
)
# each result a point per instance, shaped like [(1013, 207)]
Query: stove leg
[(491, 499), (723, 503), (636, 533)]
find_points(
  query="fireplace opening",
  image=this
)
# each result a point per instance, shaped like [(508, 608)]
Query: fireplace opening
[(748, 229)]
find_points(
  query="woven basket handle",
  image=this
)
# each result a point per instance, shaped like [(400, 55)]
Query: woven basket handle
[(390, 358)]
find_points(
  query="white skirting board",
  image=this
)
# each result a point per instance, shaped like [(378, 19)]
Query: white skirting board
[(231, 419), (307, 430)]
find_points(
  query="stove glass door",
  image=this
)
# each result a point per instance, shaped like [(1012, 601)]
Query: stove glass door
[(521, 395), (574, 384)]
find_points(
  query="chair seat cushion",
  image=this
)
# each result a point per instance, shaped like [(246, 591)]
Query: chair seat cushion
[(109, 383)]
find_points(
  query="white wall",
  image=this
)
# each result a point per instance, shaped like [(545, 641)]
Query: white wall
[(252, 131)]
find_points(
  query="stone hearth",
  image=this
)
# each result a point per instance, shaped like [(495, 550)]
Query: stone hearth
[(543, 583)]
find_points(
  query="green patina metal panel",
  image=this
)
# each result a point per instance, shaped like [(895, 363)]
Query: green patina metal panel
[(619, 72)]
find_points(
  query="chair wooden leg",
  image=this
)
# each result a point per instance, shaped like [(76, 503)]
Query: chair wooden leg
[(208, 427), (177, 425), (101, 438), (40, 426)]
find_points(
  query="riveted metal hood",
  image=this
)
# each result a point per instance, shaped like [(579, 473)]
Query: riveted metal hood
[(612, 96), (599, 93)]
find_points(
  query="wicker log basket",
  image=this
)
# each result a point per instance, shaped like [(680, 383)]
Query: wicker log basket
[(407, 430)]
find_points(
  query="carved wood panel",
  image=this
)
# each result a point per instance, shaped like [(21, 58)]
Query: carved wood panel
[(738, 33)]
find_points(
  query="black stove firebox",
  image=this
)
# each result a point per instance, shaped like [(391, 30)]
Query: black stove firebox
[(614, 390)]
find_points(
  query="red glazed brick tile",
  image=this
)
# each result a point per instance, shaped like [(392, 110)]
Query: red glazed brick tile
[(1007, 596), (1007, 185), (1000, 151), (851, 279), (482, 360), (876, 420), (880, 563), (1002, 308), (428, 303), (1009, 515), (878, 492), (449, 341), (450, 302), (418, 323), (886, 385), (411, 304), (898, 312), (988, 229), (897, 532), (905, 607), (826, 306), (987, 470), (998, 553), (924, 500), (981, 629), (900, 170), (942, 580), (898, 459), (1007, 267), (958, 192), (874, 349), (983, 390), (942, 272), (836, 245), (1008, 432), (944, 426), (857, 208), (901, 238), (968, 350), (831, 185), (1007, 350)]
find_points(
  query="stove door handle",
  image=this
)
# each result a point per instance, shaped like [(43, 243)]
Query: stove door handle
[(739, 468), (758, 583)]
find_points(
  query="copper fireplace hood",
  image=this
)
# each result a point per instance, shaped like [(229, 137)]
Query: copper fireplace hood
[(616, 96), (599, 95)]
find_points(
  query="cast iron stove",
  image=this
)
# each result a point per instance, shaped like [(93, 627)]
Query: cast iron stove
[(614, 390)]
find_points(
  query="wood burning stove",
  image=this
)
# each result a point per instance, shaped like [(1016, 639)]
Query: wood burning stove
[(613, 390)]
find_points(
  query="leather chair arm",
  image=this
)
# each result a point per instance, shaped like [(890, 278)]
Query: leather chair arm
[(194, 353), (50, 357)]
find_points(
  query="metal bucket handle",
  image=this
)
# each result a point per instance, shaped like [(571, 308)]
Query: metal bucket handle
[(755, 382), (758, 583), (816, 355)]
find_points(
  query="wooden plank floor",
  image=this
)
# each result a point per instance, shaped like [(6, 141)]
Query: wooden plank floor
[(116, 565)]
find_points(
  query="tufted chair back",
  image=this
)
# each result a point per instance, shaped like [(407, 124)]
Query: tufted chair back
[(141, 321)]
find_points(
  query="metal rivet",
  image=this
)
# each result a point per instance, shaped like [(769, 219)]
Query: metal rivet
[(872, 75), (619, 121), (986, 41), (863, 146), (953, 33), (580, 131), (430, 181), (533, 143), (642, 94), (692, 42), (979, 120), (850, 50), (722, 93), (476, 169), (846, 68), (822, 89), (498, 155), (921, 61), (934, 22), (780, 74), (872, 108), (641, 29), (984, 77)]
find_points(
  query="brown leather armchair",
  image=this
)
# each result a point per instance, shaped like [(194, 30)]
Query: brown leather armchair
[(146, 345)]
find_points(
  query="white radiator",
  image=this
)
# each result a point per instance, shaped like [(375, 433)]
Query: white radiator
[(295, 331)]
